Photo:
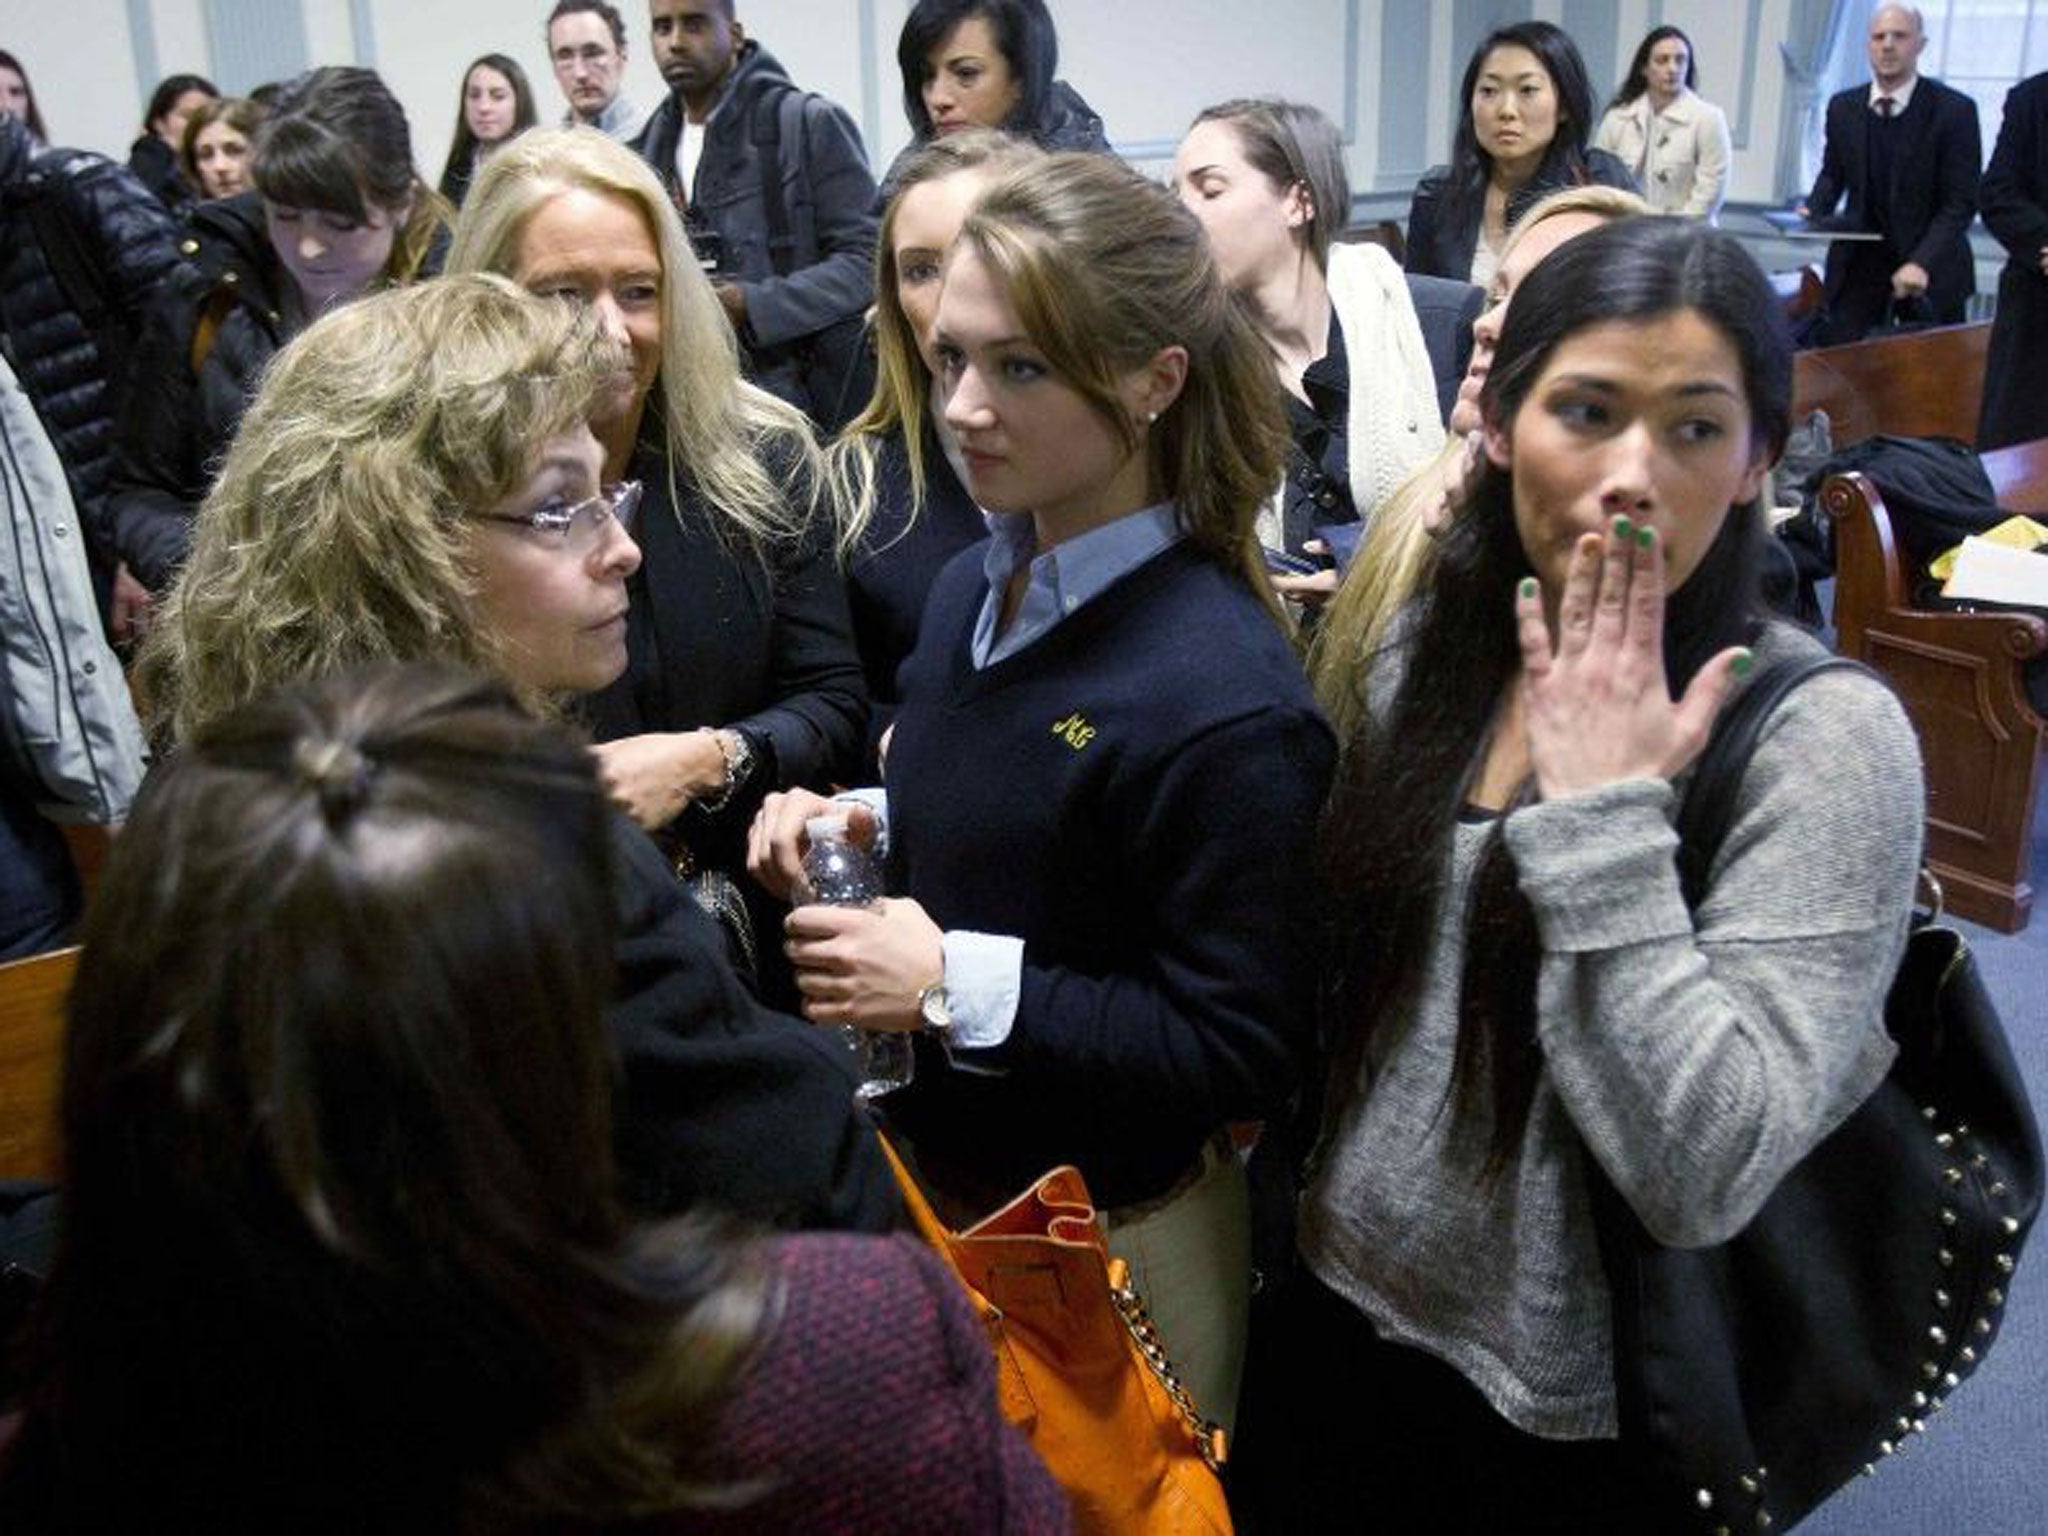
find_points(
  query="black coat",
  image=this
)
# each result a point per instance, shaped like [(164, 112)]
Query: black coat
[(1933, 198), (226, 304), (825, 276), (718, 1099), (899, 558), (71, 371), (1067, 123), (2016, 211), (1443, 230), (718, 636)]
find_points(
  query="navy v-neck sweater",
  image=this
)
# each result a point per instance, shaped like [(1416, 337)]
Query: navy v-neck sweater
[(1134, 795)]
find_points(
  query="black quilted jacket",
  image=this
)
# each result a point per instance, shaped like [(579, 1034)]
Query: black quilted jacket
[(130, 243), (180, 419)]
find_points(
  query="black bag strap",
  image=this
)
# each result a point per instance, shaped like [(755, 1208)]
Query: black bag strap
[(768, 135), (1708, 808)]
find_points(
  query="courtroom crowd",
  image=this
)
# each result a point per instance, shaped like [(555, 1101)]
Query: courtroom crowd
[(1263, 665)]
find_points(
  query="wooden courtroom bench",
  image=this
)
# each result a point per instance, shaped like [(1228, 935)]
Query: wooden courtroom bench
[(1957, 674), (32, 994), (1916, 384), (1959, 677)]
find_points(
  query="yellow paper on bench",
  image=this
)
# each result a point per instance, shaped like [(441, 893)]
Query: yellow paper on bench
[(2013, 533)]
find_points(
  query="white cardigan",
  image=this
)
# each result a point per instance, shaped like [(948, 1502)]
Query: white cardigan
[(1679, 156)]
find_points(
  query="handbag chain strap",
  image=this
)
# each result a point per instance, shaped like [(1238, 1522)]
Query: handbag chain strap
[(1209, 1436)]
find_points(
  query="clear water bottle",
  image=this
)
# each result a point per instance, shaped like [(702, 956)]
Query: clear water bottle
[(840, 873)]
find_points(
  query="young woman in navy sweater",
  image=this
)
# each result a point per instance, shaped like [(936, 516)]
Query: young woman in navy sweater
[(1103, 783)]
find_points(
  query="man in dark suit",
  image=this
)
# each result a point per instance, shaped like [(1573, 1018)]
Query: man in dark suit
[(1906, 152)]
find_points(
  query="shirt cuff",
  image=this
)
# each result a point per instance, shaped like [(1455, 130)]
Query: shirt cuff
[(984, 980), (875, 799)]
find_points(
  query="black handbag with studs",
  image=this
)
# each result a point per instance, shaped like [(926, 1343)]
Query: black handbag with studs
[(1758, 1376)]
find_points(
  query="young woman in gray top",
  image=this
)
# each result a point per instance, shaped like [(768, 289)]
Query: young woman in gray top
[(1518, 983)]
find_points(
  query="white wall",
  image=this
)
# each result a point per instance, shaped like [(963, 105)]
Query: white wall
[(1146, 65)]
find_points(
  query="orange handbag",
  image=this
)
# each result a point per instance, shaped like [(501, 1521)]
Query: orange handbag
[(1080, 1370)]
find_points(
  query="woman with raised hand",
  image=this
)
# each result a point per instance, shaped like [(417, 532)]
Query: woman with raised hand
[(1394, 556), (1519, 992), (1103, 781), (743, 675), (1525, 114), (342, 1248), (337, 211), (1360, 382), (1674, 144), (418, 479), (896, 474), (495, 107)]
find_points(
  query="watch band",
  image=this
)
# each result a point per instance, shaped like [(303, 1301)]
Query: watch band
[(738, 753)]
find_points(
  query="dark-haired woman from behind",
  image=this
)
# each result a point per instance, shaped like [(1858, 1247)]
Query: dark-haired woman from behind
[(1525, 113), (153, 157), (337, 209), (1518, 984), (496, 106), (341, 1247)]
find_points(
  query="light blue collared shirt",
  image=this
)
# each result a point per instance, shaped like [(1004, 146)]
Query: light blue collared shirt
[(985, 971), (1064, 577)]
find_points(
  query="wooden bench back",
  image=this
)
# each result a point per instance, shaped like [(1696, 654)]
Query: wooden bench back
[(32, 994), (1919, 384)]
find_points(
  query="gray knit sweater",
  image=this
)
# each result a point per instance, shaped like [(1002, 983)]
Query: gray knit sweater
[(1699, 1056)]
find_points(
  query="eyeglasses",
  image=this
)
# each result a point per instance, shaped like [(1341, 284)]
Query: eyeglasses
[(576, 529)]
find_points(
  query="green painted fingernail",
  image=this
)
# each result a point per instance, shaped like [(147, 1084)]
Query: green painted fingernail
[(1646, 536), (1745, 663), (1528, 588), (1623, 527)]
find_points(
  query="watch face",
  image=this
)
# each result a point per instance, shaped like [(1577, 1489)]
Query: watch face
[(932, 1008)]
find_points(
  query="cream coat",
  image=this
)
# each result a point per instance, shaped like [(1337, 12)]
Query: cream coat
[(1679, 156)]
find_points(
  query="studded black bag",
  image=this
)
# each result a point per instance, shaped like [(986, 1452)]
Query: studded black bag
[(1758, 1376)]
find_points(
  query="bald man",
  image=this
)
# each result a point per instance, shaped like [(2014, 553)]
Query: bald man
[(1905, 151)]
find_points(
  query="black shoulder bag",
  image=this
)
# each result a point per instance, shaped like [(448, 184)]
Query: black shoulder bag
[(1758, 1376)]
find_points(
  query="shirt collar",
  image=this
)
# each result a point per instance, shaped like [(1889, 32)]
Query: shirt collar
[(1903, 96), (1066, 576)]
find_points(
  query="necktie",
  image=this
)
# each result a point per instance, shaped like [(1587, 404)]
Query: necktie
[(1885, 106)]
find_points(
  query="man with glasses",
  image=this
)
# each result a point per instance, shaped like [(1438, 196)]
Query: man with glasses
[(587, 46)]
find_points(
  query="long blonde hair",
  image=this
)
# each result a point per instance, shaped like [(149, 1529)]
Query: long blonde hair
[(1396, 555), (903, 384), (334, 535), (1105, 268), (722, 432)]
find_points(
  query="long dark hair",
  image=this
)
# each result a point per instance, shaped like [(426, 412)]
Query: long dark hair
[(34, 118), (166, 95), (1407, 776), (1024, 34), (338, 141), (340, 1247), (463, 147), (1637, 80), (1564, 162)]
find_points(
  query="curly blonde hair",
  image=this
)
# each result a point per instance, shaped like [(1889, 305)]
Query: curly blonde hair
[(903, 384), (722, 431), (334, 535)]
